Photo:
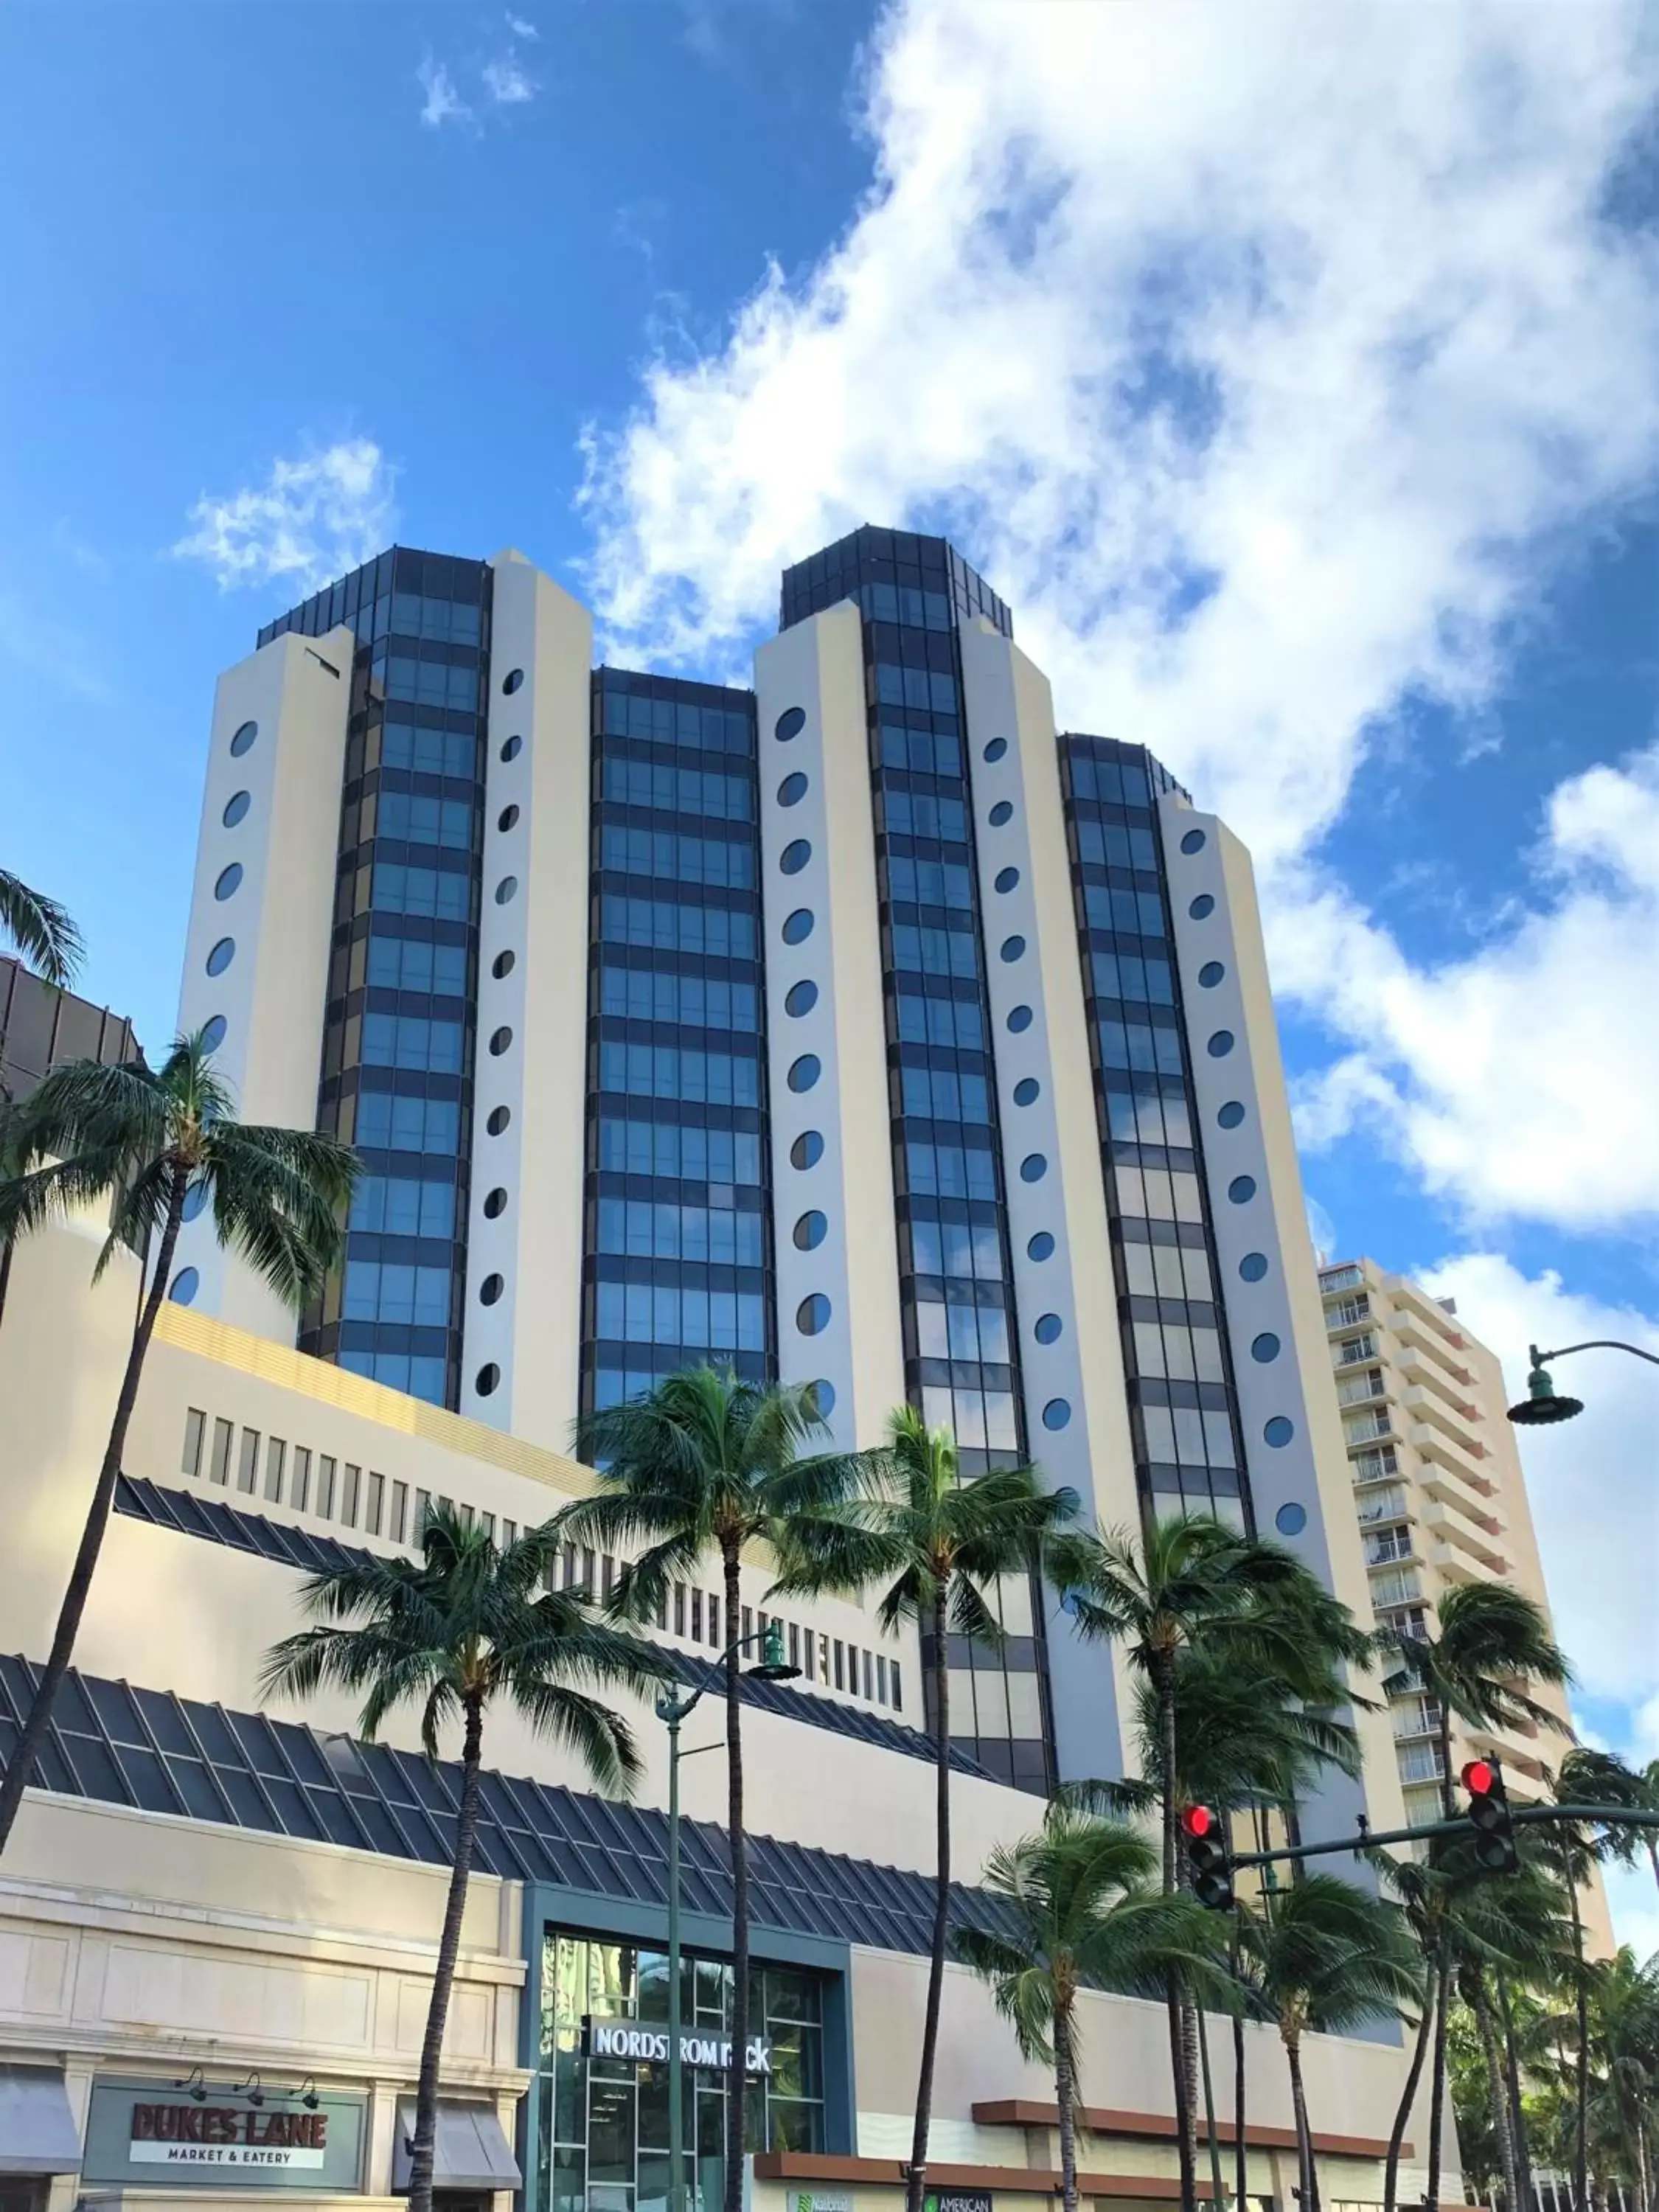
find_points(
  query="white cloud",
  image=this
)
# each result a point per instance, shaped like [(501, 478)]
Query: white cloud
[(520, 29), (1268, 361), (310, 520), (1633, 1902), (442, 103), (506, 82)]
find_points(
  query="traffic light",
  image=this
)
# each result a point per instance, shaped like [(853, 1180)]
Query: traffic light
[(1209, 1864), (1489, 1811)]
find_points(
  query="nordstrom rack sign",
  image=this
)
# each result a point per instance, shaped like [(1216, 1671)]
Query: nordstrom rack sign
[(648, 2047)]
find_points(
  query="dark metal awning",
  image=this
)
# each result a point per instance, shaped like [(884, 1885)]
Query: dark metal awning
[(470, 2149), (38, 2134)]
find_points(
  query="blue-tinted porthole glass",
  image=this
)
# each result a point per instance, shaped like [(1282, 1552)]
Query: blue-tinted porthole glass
[(792, 790), (801, 998), (813, 1314), (1006, 879), (512, 749), (1290, 1520), (1013, 948), (243, 738), (807, 1150), (1033, 1168), (1278, 1432), (495, 1204), (806, 1072), (236, 807), (506, 889), (1202, 907), (1230, 1114), (823, 1397), (195, 1198), (794, 856), (1241, 1190), (1193, 842), (213, 1036), (810, 1231), (503, 964), (797, 927), (500, 1042), (499, 1118), (1041, 1247), (221, 955), (1026, 1090), (186, 1284), (490, 1289), (1210, 974), (1264, 1348), (996, 749), (507, 819), (1056, 1413), (1019, 1017), (1219, 1044), (789, 724), (1253, 1267), (229, 881), (487, 1379), (1047, 1327), (513, 679), (1001, 813)]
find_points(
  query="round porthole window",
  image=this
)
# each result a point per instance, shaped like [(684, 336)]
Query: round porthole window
[(823, 1396), (1056, 1413), (807, 1150), (186, 1284), (499, 1118), (506, 889), (236, 807), (804, 1072), (1290, 1520), (229, 881), (1012, 948), (1019, 1019), (1230, 1114), (792, 790), (1278, 1432), (1265, 1347), (810, 1231), (213, 1036), (487, 1379), (195, 1200), (801, 998), (1006, 879), (513, 681), (1219, 1044), (1001, 813), (996, 749), (511, 748), (495, 1204), (1253, 1267), (1210, 974), (789, 724), (794, 856), (1033, 1168), (507, 818), (221, 955), (1026, 1090), (1041, 1247), (1241, 1190), (813, 1314), (1202, 907), (244, 738), (1193, 842), (797, 927), (499, 1042), (1047, 1327), (501, 965), (490, 1289)]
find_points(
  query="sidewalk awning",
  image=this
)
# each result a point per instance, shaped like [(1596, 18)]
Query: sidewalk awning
[(470, 2150), (38, 2134)]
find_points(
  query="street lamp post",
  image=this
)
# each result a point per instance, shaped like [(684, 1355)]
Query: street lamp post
[(673, 1710), (1543, 1403)]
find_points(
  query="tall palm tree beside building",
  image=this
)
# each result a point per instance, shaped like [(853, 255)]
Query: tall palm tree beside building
[(1082, 1905), (706, 1464), (939, 1543), (467, 1625), (43, 931), (147, 1137)]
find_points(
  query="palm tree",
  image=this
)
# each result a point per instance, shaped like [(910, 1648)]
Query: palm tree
[(939, 1543), (1328, 1956), (1514, 1926), (1650, 1804), (466, 1625), (1588, 1778), (42, 931), (1623, 2014), (707, 1463), (149, 1137), (1189, 1581), (1081, 1906)]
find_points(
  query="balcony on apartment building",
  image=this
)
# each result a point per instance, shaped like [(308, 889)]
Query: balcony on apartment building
[(1390, 1544), (1456, 1385), (1390, 1503), (1460, 1548), (1449, 1452), (1348, 1311), (1346, 1277)]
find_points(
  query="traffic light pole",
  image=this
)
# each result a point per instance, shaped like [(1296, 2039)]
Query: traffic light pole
[(1521, 1815)]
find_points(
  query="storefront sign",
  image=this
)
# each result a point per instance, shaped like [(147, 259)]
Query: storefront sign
[(648, 2047), (957, 2200), (819, 2200), (138, 2131)]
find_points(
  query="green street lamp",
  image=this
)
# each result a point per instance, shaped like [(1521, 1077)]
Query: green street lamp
[(773, 1667), (1543, 1404)]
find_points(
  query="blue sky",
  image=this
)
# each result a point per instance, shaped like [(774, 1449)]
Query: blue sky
[(667, 292)]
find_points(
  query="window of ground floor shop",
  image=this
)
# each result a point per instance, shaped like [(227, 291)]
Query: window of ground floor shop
[(603, 2121)]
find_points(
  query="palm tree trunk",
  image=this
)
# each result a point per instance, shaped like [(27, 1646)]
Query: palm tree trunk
[(918, 2174), (1438, 2090), (1217, 2189), (1065, 2097), (449, 1944), (1581, 2008), (5, 1273), (1474, 1993), (92, 1536), (1304, 2157), (1182, 2057), (1653, 1855), (1409, 2095), (1240, 2157), (737, 2080), (1512, 2087)]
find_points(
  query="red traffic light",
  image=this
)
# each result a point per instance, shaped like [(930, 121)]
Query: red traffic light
[(1198, 1820), (1480, 1778)]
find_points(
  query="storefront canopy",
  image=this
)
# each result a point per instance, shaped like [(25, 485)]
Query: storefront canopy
[(470, 2150), (38, 2134)]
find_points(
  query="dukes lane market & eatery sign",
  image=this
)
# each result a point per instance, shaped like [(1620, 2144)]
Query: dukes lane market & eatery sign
[(156, 2133)]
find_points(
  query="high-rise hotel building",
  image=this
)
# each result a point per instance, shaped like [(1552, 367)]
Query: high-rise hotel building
[(866, 1029)]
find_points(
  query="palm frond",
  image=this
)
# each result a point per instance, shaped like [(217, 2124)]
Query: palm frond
[(41, 929)]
